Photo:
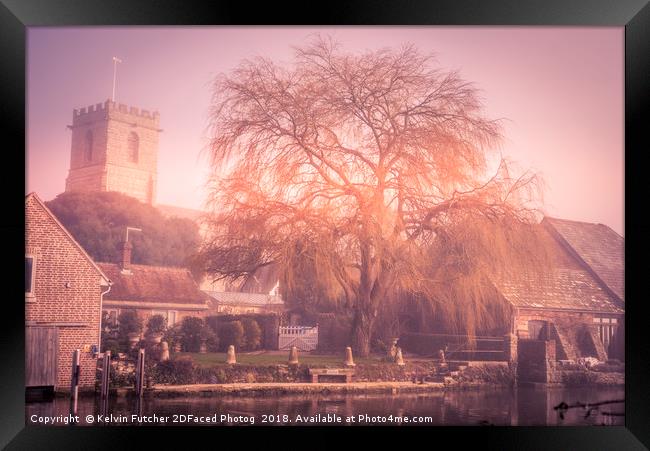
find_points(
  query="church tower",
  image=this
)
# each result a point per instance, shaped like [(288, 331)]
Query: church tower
[(114, 148)]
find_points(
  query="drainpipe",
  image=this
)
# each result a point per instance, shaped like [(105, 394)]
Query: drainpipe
[(101, 314)]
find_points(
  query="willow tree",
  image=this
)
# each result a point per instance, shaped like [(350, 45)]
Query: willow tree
[(364, 164)]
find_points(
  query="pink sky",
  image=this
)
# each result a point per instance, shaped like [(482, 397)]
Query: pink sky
[(561, 89)]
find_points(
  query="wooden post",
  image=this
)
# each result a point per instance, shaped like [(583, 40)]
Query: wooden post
[(139, 374), (74, 381), (106, 370)]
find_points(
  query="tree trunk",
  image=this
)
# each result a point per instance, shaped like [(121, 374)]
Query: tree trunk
[(361, 332)]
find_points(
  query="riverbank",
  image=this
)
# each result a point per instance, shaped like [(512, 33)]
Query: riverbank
[(278, 388)]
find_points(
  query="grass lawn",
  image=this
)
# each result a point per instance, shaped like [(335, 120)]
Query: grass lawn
[(211, 359)]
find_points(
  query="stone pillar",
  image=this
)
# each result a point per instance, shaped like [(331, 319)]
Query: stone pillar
[(293, 356), (549, 354), (231, 359), (349, 362)]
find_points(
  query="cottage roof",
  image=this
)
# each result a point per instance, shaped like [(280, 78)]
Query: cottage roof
[(598, 247), (157, 284), (33, 196), (262, 281), (248, 299), (566, 284)]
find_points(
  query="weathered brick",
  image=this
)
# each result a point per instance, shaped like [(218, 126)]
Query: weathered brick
[(67, 291)]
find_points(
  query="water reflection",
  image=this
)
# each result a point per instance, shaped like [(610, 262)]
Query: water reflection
[(521, 407)]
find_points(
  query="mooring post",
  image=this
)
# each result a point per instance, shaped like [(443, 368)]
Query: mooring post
[(74, 382), (106, 369), (139, 374)]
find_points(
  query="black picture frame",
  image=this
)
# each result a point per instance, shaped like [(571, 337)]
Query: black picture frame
[(634, 15)]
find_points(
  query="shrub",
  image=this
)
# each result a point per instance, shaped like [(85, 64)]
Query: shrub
[(213, 322), (175, 372), (130, 322), (252, 334), (211, 339), (231, 333), (609, 367), (156, 324), (192, 332), (489, 374), (111, 345), (579, 378)]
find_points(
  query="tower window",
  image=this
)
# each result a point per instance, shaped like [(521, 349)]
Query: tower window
[(133, 146), (88, 148)]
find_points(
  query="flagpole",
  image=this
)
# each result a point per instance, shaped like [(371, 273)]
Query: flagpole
[(115, 61)]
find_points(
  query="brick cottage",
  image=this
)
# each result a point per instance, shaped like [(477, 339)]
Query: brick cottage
[(63, 302), (150, 290)]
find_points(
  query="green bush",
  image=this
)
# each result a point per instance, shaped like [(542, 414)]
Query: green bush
[(111, 345), (609, 367), (129, 322), (579, 378), (211, 339), (231, 333), (252, 334), (213, 323), (192, 332), (175, 372), (156, 324)]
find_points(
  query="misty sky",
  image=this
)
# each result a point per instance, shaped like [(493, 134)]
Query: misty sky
[(561, 90)]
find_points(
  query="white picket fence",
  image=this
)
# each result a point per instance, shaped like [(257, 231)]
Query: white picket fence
[(304, 338)]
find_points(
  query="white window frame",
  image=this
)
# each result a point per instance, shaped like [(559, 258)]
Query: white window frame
[(166, 314), (117, 315), (606, 329)]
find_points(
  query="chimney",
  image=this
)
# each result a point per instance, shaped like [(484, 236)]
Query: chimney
[(126, 257)]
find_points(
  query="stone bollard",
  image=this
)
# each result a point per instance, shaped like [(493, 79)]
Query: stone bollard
[(231, 355), (293, 356), (164, 351), (398, 357), (348, 357)]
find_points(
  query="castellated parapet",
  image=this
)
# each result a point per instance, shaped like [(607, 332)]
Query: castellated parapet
[(114, 148), (117, 111)]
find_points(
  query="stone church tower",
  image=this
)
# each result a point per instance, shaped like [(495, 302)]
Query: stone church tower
[(114, 148)]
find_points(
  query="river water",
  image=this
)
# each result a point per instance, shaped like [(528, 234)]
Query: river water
[(524, 406)]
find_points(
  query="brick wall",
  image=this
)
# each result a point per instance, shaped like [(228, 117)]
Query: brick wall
[(67, 291)]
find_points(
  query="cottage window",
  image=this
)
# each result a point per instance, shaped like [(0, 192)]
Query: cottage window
[(134, 147), (30, 271), (111, 317), (606, 329)]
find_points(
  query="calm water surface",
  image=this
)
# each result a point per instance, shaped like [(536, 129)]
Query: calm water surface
[(523, 406)]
